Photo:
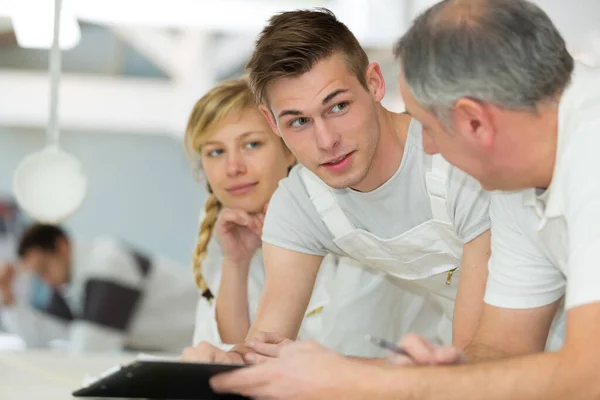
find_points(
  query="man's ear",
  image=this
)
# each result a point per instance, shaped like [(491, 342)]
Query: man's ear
[(375, 81), (266, 112), (473, 121)]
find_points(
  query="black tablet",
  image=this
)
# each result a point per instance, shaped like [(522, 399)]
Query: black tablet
[(160, 380)]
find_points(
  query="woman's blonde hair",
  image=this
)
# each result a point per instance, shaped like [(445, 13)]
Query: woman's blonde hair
[(228, 97)]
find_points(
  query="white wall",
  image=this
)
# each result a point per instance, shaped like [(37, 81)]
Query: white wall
[(141, 188)]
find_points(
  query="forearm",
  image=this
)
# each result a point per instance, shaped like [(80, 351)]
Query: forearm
[(277, 313), (233, 319), (286, 293), (369, 361), (478, 352), (541, 376), (469, 304)]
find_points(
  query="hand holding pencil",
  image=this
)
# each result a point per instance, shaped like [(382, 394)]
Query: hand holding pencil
[(416, 350)]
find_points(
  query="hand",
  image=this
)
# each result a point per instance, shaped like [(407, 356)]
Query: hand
[(7, 276), (303, 371), (266, 346), (206, 352), (422, 352), (239, 234)]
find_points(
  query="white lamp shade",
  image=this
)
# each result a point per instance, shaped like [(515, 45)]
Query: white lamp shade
[(33, 24), (50, 185)]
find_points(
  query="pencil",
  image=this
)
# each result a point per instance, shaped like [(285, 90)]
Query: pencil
[(385, 344)]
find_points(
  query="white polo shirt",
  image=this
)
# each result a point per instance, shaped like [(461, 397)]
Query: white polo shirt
[(545, 245)]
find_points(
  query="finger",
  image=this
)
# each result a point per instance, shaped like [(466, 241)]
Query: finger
[(255, 358), (232, 216), (419, 349), (255, 226), (201, 352), (261, 220), (243, 380), (291, 348), (399, 359), (190, 354), (226, 358), (265, 349), (268, 337), (449, 355)]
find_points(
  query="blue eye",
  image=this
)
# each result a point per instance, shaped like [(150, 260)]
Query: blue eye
[(215, 152), (298, 122), (253, 145), (339, 107)]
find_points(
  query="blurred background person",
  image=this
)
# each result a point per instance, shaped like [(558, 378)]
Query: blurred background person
[(101, 296)]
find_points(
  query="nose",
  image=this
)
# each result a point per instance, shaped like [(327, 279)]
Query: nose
[(235, 164), (429, 145), (325, 138)]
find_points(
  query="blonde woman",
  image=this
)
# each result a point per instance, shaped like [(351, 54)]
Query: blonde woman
[(243, 161)]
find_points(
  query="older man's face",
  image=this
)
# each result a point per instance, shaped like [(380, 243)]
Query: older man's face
[(460, 148)]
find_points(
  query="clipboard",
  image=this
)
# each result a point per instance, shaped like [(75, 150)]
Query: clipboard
[(167, 380)]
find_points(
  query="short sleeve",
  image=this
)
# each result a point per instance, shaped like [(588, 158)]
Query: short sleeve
[(292, 222), (468, 205), (520, 275)]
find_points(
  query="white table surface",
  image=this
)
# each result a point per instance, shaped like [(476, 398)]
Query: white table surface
[(50, 374)]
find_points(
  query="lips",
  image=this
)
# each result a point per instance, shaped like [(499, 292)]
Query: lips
[(337, 160), (339, 164), (241, 189)]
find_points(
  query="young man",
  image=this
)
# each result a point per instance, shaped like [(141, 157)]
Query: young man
[(498, 95), (364, 189), (100, 297)]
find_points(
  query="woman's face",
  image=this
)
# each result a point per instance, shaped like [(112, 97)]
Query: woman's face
[(244, 160)]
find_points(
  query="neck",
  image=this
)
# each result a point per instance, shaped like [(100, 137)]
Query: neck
[(388, 153)]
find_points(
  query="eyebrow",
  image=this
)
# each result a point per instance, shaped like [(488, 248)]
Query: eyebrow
[(326, 100), (242, 136), (333, 95)]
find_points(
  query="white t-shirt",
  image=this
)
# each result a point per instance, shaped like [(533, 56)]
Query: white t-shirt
[(392, 209), (544, 246)]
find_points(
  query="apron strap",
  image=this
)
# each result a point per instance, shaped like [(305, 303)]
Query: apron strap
[(326, 205), (436, 176)]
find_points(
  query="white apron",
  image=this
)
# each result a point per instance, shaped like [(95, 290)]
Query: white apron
[(424, 259), (351, 300)]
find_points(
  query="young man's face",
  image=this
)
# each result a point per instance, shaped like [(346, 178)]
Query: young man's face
[(51, 266), (328, 119)]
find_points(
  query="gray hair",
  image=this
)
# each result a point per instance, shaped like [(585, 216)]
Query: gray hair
[(503, 52)]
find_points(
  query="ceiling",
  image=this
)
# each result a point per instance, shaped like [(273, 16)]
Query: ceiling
[(141, 64)]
